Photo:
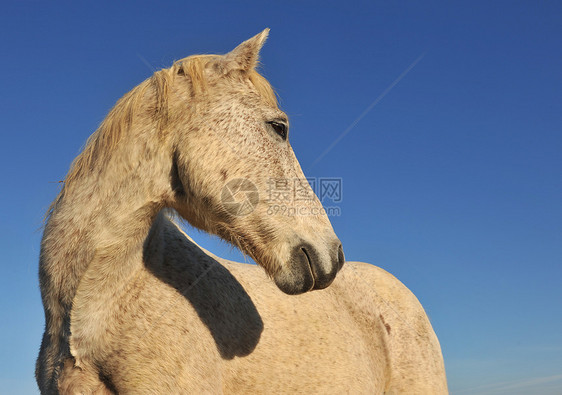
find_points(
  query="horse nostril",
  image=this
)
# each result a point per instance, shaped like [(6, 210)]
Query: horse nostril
[(341, 257), (309, 261), (307, 257)]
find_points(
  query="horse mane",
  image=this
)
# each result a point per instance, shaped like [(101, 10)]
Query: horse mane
[(105, 139)]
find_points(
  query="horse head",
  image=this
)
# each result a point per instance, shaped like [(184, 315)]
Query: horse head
[(231, 151)]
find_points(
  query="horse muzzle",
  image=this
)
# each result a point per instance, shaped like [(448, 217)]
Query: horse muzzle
[(308, 269)]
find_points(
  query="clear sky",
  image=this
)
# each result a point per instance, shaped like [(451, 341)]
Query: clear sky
[(452, 181)]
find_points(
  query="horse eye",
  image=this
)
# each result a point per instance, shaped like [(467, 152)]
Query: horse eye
[(280, 129)]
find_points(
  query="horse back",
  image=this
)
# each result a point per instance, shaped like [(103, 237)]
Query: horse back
[(415, 353)]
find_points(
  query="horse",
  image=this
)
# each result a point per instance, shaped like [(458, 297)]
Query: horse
[(133, 305)]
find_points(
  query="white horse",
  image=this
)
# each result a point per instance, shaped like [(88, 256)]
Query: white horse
[(133, 305)]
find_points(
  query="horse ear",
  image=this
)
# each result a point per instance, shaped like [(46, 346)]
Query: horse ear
[(245, 56)]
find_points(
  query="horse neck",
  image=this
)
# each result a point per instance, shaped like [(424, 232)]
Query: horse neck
[(94, 237)]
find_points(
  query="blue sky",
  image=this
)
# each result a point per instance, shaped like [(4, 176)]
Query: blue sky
[(451, 182)]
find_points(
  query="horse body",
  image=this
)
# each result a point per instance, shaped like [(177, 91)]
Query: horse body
[(198, 323), (190, 322), (132, 305)]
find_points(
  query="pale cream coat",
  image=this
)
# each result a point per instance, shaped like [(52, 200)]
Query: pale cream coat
[(132, 305)]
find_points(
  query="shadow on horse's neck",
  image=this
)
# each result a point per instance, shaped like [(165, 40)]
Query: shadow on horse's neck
[(111, 226)]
